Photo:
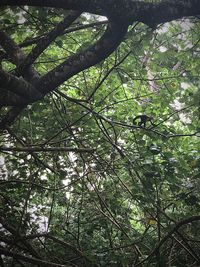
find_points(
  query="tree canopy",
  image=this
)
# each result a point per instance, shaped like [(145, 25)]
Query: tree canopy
[(83, 182)]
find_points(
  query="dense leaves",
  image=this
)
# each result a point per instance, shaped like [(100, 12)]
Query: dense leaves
[(110, 193)]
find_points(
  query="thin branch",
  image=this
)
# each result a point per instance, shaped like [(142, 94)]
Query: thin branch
[(107, 74), (16, 234), (109, 41), (44, 42), (121, 124), (70, 30), (47, 149)]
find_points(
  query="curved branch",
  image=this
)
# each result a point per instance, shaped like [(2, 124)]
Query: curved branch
[(167, 236)]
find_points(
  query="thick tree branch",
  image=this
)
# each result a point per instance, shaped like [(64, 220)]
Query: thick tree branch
[(14, 52), (166, 11), (10, 116), (10, 99), (123, 10), (19, 86)]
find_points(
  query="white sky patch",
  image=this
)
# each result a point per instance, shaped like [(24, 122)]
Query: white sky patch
[(2, 161), (72, 157), (28, 157), (67, 195), (40, 220), (186, 24), (185, 85), (177, 105), (125, 85), (184, 118), (96, 17), (43, 177), (15, 172), (163, 29), (101, 18), (21, 19), (121, 141), (66, 181), (3, 169), (162, 49)]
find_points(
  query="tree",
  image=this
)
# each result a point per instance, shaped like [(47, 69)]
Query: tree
[(73, 76)]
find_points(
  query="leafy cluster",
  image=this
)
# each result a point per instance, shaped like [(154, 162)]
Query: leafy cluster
[(127, 195)]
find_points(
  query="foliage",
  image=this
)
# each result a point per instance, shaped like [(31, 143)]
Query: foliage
[(112, 206)]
